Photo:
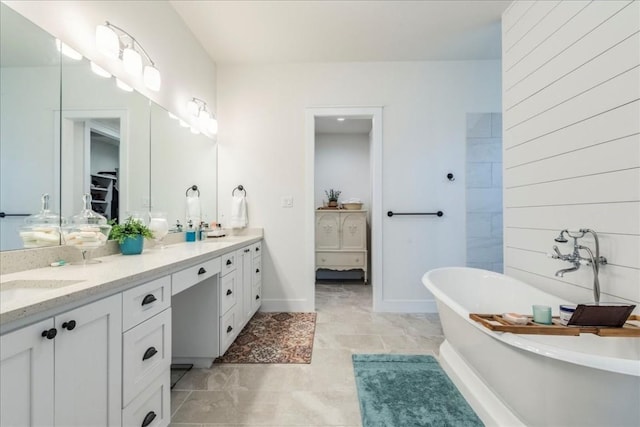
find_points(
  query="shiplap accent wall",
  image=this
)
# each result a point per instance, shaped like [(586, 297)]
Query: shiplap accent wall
[(571, 104)]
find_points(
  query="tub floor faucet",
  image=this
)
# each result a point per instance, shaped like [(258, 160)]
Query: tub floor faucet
[(593, 260)]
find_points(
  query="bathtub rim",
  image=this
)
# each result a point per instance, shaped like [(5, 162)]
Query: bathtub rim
[(620, 365)]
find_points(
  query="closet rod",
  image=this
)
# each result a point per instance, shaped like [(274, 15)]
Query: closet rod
[(391, 213)]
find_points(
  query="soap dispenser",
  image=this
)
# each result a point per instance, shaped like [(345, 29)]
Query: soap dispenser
[(191, 232)]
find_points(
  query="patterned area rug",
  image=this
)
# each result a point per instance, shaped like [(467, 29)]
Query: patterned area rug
[(408, 390), (274, 338)]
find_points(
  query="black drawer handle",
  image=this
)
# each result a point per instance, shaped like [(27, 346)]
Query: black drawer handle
[(229, 262), (257, 270), (257, 296), (50, 334), (201, 271), (257, 249), (246, 250), (148, 419), (69, 326), (229, 329), (149, 299), (229, 292), (151, 351)]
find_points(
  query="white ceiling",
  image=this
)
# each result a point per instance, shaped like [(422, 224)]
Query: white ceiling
[(343, 31), (349, 125)]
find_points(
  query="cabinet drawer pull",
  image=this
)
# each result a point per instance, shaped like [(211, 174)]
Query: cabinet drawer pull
[(257, 270), (151, 351), (229, 329), (257, 296), (201, 271), (257, 249), (229, 262), (148, 419), (229, 291), (50, 334), (246, 250), (69, 326), (149, 299)]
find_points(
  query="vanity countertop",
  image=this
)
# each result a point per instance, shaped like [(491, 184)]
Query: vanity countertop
[(32, 295)]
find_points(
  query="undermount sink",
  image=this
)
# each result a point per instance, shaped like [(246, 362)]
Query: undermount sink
[(21, 290)]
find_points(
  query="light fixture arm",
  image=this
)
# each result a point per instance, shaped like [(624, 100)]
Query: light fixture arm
[(133, 41)]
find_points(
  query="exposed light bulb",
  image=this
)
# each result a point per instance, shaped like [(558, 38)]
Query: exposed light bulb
[(203, 119), (99, 70), (184, 124), (132, 61), (122, 85), (340, 119), (152, 78), (172, 116), (192, 107), (107, 41), (67, 51)]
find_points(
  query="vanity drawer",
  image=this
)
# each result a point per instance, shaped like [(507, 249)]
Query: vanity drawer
[(190, 276), (256, 249), (228, 331), (229, 263), (256, 298), (145, 301), (152, 403), (340, 259), (228, 294), (146, 353), (256, 274)]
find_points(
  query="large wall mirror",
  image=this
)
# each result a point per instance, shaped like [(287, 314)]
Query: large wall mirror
[(66, 131)]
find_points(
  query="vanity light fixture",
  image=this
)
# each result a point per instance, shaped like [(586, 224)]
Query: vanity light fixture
[(183, 123), (198, 109), (122, 85), (195, 131), (67, 51), (99, 70), (115, 42), (172, 116)]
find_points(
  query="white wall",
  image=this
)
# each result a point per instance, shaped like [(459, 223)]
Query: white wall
[(572, 141), (104, 157), (186, 69), (342, 163), (262, 146)]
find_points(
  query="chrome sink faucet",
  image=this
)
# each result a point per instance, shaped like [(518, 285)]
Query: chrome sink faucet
[(593, 260)]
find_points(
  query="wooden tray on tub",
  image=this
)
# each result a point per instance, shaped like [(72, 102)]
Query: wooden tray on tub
[(495, 322)]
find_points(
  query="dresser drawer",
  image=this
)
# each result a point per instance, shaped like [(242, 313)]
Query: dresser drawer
[(229, 263), (190, 276), (256, 249), (256, 274), (340, 259), (152, 404), (146, 353), (145, 301), (228, 292), (228, 330)]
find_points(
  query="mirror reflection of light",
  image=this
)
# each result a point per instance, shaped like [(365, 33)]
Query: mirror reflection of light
[(172, 116), (99, 70), (122, 85), (184, 124), (67, 51), (194, 131), (151, 78)]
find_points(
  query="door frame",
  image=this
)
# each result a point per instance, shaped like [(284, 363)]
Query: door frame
[(375, 153)]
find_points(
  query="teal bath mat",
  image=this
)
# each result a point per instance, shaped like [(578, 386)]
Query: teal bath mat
[(408, 391)]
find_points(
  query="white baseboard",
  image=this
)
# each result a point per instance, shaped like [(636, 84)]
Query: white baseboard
[(197, 362)]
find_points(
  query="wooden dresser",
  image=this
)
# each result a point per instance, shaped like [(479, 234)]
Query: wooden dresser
[(341, 240)]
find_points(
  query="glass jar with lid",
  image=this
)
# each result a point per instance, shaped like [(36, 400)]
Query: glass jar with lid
[(42, 229), (87, 231)]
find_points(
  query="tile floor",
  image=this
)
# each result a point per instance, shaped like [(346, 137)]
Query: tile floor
[(322, 393)]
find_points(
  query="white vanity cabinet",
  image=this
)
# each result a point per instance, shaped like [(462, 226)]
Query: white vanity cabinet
[(341, 240), (229, 325), (146, 354), (76, 357)]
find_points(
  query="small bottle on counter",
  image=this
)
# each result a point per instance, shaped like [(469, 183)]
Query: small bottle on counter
[(190, 235)]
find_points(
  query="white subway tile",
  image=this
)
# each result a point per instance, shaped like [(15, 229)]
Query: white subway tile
[(478, 125), (484, 152), (479, 225), (479, 175), (496, 175), (484, 200)]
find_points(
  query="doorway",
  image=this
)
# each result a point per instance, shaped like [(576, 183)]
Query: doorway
[(368, 189)]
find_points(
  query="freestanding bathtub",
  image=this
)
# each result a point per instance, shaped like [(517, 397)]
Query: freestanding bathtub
[(533, 380)]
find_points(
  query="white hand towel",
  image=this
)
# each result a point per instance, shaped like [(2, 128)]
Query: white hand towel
[(238, 212), (193, 210)]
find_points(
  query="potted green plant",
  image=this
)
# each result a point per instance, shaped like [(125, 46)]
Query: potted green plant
[(333, 196), (130, 235)]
